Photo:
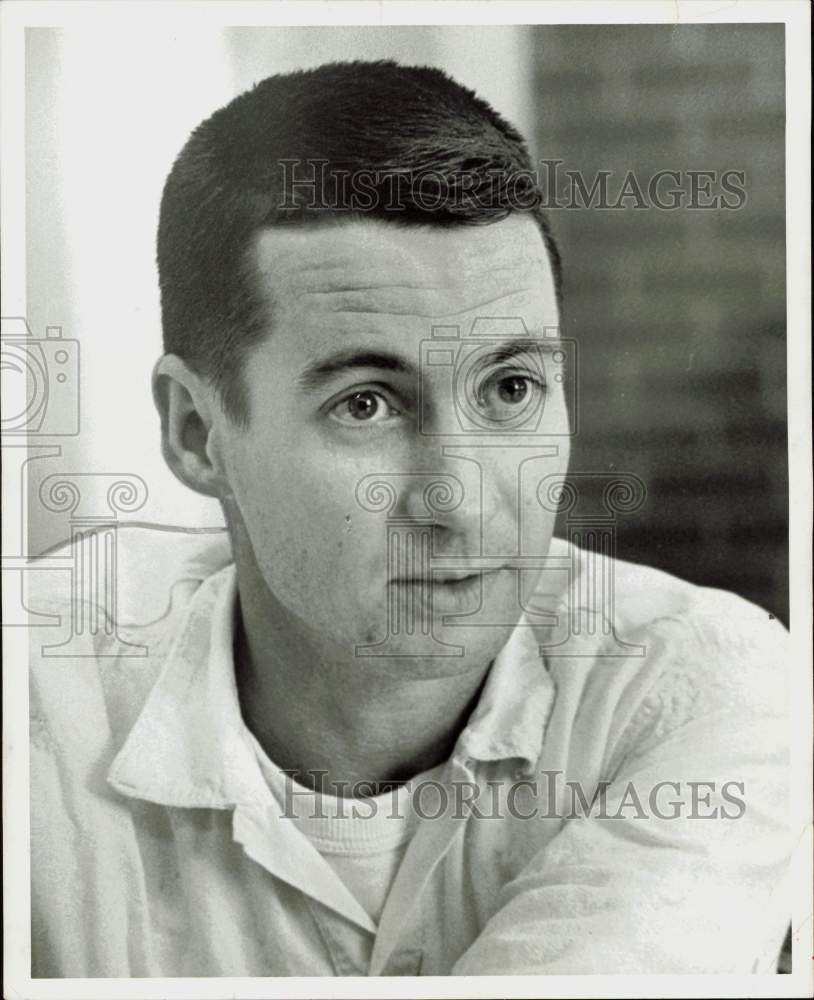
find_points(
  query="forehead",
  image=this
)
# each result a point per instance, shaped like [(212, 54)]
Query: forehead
[(367, 268)]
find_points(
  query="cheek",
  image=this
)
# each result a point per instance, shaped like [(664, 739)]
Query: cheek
[(302, 518), (533, 481), (257, 485), (563, 458)]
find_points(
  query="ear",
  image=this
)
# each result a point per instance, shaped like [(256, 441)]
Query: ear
[(187, 405)]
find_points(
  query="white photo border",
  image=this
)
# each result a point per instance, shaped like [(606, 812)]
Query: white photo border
[(190, 15)]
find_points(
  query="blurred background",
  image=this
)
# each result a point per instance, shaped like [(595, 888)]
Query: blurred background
[(679, 315)]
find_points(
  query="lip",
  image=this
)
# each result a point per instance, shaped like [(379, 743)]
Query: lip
[(454, 591), (437, 579)]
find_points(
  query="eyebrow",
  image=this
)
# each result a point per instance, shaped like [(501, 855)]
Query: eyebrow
[(319, 373), (516, 348)]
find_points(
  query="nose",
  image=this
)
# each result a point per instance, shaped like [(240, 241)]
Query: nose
[(446, 488), (431, 482)]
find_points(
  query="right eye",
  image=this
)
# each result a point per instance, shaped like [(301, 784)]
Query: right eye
[(364, 407)]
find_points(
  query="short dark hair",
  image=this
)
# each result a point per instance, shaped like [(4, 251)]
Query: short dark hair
[(429, 151)]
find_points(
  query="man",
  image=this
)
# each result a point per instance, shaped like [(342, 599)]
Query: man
[(385, 725)]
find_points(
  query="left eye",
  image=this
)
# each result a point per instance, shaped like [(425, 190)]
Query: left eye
[(365, 407), (509, 391), (513, 389)]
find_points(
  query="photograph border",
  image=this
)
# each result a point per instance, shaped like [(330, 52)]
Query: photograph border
[(15, 16)]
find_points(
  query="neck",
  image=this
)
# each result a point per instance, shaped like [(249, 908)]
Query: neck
[(334, 720)]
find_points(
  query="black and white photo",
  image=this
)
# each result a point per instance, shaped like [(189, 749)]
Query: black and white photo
[(407, 493)]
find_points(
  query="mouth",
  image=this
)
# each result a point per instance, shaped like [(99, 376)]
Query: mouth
[(447, 590), (445, 578)]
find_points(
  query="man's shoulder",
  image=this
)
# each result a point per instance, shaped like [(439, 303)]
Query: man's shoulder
[(636, 596), (656, 656), (131, 570), (105, 609), (681, 640)]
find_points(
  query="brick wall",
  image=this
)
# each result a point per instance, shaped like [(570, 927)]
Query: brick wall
[(679, 315)]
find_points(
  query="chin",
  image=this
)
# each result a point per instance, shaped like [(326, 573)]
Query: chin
[(442, 650), (453, 629)]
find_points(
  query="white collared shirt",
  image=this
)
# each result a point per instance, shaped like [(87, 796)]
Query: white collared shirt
[(363, 840), (159, 849)]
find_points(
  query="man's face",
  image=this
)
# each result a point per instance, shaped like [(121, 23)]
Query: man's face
[(359, 403)]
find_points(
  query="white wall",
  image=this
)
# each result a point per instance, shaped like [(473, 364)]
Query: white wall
[(106, 113)]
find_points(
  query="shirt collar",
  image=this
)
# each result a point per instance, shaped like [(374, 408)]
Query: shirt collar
[(510, 718), (190, 745)]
